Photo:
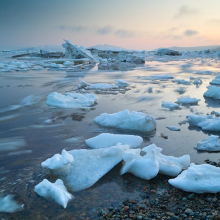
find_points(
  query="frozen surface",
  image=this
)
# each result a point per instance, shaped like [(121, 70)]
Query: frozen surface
[(170, 105), (188, 100), (9, 205), (88, 166), (203, 178), (55, 191), (106, 140), (71, 100), (213, 92), (206, 122), (127, 120), (212, 143)]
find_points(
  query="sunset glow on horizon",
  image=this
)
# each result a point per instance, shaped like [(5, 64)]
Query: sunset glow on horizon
[(130, 24)]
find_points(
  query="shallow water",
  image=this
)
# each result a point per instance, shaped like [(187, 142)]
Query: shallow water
[(20, 168)]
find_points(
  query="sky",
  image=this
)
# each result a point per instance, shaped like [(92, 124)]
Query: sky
[(132, 24)]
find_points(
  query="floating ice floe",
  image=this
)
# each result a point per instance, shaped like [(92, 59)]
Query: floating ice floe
[(203, 178), (212, 92), (149, 165), (106, 140), (170, 105), (71, 100), (197, 81), (216, 81), (157, 77), (168, 165), (182, 81), (206, 122), (127, 120), (9, 205), (98, 86), (173, 128), (212, 143), (180, 90), (122, 83), (55, 191), (187, 100), (87, 167)]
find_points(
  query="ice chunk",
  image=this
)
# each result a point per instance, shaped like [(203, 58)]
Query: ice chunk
[(216, 81), (170, 105), (203, 178), (98, 86), (197, 81), (212, 143), (168, 165), (127, 120), (180, 90), (145, 168), (106, 140), (9, 205), (187, 100), (55, 191), (71, 100), (150, 89), (88, 166), (182, 81), (213, 92), (206, 122), (122, 83), (173, 128)]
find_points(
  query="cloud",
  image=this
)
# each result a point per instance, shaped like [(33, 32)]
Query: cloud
[(190, 33), (61, 27), (78, 28), (185, 11), (105, 30), (124, 33), (215, 22)]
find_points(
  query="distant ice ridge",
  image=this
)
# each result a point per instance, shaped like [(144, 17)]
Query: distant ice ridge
[(203, 178), (127, 120), (188, 100), (55, 191), (212, 143), (71, 100), (87, 167), (106, 140), (206, 122), (170, 105), (212, 92), (9, 205), (149, 165)]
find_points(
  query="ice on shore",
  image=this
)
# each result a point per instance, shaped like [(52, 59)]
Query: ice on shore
[(206, 122), (216, 81), (9, 205), (170, 105), (212, 143), (187, 100), (54, 191), (168, 165), (212, 92), (127, 120), (88, 166), (203, 178), (106, 140), (71, 100), (173, 128)]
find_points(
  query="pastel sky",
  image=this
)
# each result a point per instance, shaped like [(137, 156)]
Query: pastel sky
[(132, 24)]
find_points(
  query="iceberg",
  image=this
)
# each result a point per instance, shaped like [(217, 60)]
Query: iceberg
[(170, 105), (212, 143), (188, 100), (127, 120), (9, 205), (203, 178), (71, 100), (212, 92), (87, 167), (55, 191), (106, 140), (206, 122)]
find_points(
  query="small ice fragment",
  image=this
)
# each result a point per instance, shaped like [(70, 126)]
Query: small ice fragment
[(9, 205), (173, 128)]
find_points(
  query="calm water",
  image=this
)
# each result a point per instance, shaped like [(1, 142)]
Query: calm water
[(20, 168)]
